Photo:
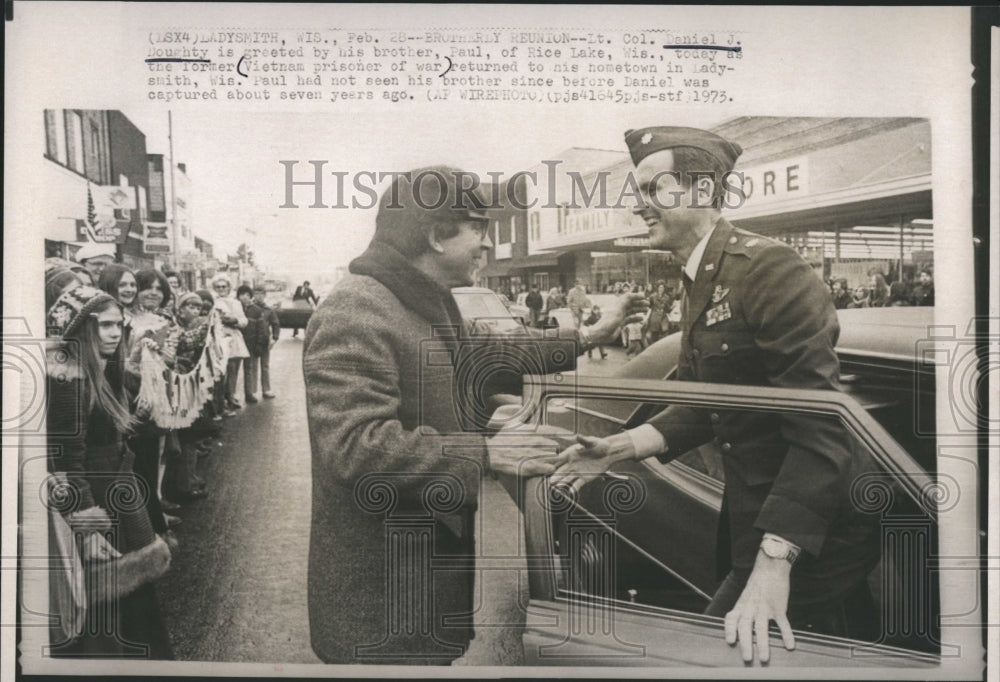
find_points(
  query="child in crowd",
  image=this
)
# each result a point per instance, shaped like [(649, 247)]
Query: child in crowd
[(595, 315), (635, 331)]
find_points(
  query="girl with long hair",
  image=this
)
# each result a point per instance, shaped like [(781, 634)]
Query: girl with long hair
[(119, 281), (149, 324), (879, 295), (94, 487)]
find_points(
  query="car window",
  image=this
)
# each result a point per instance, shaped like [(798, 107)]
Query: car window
[(644, 535)]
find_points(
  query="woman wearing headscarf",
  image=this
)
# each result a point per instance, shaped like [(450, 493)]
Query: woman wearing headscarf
[(59, 280), (233, 321), (93, 485)]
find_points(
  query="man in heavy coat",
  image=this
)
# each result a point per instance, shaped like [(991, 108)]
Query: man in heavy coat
[(395, 471), (755, 313)]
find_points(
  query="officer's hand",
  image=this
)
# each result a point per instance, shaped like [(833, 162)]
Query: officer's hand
[(765, 598), (626, 308), (590, 457)]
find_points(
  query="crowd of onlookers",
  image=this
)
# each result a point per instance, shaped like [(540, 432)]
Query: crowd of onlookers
[(106, 323), (663, 316), (879, 293)]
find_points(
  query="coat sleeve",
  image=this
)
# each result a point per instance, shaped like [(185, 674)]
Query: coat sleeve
[(67, 435), (353, 400), (683, 428), (796, 328), (239, 314)]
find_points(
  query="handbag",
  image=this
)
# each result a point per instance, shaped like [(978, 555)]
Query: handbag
[(76, 586), (68, 593)]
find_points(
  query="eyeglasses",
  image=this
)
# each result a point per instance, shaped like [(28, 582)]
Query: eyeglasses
[(220, 286), (481, 228)]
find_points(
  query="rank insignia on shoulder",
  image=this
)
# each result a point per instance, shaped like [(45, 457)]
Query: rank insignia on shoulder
[(719, 293), (753, 242), (718, 314)]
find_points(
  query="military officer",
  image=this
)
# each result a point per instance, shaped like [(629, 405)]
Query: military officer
[(796, 549)]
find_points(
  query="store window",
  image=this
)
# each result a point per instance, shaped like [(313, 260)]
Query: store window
[(897, 248), (534, 229), (98, 173), (55, 135), (504, 232), (74, 140)]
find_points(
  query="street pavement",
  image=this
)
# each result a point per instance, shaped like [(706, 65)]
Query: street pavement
[(236, 590)]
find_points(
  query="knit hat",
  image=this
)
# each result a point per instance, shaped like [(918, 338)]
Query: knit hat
[(71, 310), (188, 296)]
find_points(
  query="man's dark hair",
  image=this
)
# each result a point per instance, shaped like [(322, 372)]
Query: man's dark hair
[(171, 273), (243, 289), (693, 163)]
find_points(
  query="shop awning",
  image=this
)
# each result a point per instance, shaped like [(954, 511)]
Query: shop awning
[(539, 260), (496, 269)]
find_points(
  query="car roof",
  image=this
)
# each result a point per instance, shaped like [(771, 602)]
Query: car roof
[(890, 333), (877, 336)]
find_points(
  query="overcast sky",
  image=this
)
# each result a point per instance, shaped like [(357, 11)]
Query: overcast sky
[(237, 181)]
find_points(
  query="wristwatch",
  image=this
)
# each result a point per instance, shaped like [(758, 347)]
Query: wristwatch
[(775, 548)]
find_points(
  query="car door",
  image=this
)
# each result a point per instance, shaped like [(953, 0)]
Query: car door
[(619, 574)]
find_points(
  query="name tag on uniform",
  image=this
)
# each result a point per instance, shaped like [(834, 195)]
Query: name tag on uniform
[(718, 313)]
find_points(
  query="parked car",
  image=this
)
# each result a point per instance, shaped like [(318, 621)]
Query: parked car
[(620, 575), (293, 314), (510, 350), (488, 309), (562, 318)]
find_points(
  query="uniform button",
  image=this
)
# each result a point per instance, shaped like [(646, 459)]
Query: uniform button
[(724, 348), (726, 447), (716, 418), (733, 240)]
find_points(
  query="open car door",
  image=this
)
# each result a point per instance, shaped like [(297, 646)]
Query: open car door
[(620, 575)]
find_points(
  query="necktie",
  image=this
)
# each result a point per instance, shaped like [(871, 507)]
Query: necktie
[(687, 297)]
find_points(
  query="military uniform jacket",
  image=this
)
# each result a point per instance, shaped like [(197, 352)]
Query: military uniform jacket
[(759, 315)]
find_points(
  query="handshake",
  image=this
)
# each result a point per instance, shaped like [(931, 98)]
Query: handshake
[(525, 451)]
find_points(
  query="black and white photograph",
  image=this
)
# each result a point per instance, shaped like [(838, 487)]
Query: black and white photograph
[(595, 341)]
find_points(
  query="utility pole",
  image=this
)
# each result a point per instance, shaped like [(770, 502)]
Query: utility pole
[(175, 242)]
